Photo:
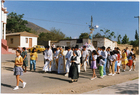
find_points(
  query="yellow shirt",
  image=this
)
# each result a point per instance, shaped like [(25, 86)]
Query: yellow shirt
[(19, 59), (34, 56)]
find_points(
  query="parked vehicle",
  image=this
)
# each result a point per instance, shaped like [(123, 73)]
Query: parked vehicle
[(39, 48)]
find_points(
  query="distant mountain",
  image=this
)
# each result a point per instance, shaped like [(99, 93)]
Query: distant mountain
[(36, 28)]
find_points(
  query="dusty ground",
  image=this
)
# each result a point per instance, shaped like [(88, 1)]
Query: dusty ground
[(52, 83)]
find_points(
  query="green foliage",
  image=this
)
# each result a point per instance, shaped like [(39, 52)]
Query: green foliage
[(119, 39), (15, 23), (98, 35), (136, 35), (67, 38), (134, 43), (125, 40), (54, 35), (108, 34), (84, 36)]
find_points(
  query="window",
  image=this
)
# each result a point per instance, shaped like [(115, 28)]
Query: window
[(26, 40), (11, 40), (95, 44)]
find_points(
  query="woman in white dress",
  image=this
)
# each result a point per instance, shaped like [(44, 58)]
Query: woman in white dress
[(61, 62), (54, 61)]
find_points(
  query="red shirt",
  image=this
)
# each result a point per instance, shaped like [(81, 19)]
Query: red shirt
[(118, 56)]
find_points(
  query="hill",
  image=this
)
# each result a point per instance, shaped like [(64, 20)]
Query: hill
[(37, 29)]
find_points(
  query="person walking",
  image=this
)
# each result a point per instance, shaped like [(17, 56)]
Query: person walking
[(33, 59), (18, 71), (48, 59), (25, 59), (73, 73)]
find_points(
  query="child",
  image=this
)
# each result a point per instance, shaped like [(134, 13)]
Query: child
[(33, 59), (93, 64), (130, 61), (119, 62), (134, 61), (101, 63), (112, 60), (124, 59), (18, 69), (73, 73)]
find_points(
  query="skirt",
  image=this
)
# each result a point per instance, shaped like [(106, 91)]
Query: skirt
[(124, 61), (25, 63), (93, 65), (18, 70), (73, 73), (134, 62), (130, 63)]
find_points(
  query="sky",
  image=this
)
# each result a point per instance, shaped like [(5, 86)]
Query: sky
[(73, 17)]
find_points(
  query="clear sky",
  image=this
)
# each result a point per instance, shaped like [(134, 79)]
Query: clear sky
[(73, 17)]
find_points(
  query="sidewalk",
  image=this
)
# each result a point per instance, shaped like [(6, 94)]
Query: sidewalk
[(129, 87)]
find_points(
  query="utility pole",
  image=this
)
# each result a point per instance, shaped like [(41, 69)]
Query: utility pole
[(91, 27), (138, 23)]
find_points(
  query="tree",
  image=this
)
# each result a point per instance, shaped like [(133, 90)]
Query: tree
[(15, 23), (134, 43), (98, 35), (68, 38), (119, 39), (108, 34), (125, 39), (136, 35), (84, 36), (54, 35)]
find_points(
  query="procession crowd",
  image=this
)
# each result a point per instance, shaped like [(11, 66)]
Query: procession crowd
[(71, 61)]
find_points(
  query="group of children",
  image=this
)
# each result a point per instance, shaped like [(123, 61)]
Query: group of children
[(112, 60), (73, 60)]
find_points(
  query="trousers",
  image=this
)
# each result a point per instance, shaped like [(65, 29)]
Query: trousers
[(111, 68), (33, 62), (101, 70)]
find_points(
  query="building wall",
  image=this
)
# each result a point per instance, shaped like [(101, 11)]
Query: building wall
[(100, 42), (16, 41), (72, 43), (23, 41), (109, 43)]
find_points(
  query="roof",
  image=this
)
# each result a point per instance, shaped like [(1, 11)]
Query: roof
[(22, 34)]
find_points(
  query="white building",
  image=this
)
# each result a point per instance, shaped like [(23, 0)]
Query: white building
[(21, 39), (97, 42), (4, 19)]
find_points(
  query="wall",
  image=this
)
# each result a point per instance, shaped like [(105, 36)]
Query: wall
[(16, 41), (123, 46), (109, 43), (64, 43), (136, 50), (23, 41), (100, 42)]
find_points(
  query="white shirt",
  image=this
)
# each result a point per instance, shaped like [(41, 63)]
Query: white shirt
[(79, 55), (131, 52), (48, 54), (112, 57), (85, 53), (57, 52), (99, 51), (95, 57), (104, 54), (69, 55), (101, 62), (127, 52)]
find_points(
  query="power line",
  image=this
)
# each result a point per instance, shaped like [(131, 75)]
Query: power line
[(55, 21)]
